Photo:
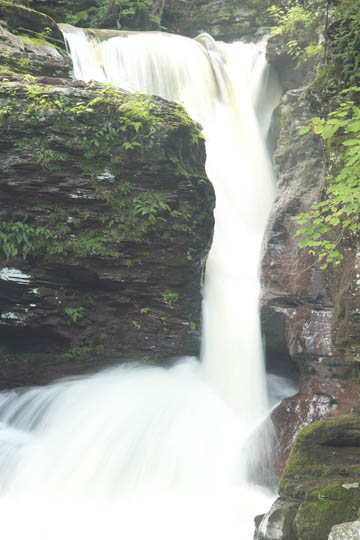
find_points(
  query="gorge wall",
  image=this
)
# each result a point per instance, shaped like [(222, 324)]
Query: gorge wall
[(309, 314)]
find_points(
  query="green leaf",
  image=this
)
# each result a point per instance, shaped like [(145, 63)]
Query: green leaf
[(305, 129), (330, 130)]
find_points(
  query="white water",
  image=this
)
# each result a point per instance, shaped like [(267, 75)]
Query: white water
[(136, 452)]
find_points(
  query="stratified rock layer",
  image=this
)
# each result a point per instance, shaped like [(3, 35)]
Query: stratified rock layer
[(106, 221)]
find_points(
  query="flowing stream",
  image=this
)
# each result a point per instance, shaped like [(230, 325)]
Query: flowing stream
[(140, 452)]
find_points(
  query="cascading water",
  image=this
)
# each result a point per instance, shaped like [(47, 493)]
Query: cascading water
[(141, 451)]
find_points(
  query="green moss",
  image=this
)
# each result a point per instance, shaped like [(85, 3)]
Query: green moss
[(131, 132), (337, 492), (13, 64), (5, 73), (314, 519), (308, 178), (311, 466), (37, 41), (344, 43), (20, 20), (325, 426)]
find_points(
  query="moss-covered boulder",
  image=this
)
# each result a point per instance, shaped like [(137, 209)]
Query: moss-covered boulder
[(105, 224), (29, 22), (323, 454), (320, 483), (30, 43)]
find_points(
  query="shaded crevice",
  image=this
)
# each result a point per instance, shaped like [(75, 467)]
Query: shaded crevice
[(277, 357)]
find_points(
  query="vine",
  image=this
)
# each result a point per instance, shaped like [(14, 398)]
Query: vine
[(295, 24), (335, 97), (325, 224)]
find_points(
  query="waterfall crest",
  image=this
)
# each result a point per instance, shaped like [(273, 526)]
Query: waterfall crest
[(139, 450)]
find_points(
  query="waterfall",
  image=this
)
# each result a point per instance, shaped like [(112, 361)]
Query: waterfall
[(139, 451), (230, 91)]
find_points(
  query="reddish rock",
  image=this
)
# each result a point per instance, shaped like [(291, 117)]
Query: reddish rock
[(310, 317)]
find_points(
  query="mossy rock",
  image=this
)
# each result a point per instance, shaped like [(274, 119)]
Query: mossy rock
[(322, 476), (105, 195), (325, 453), (21, 19), (314, 520), (279, 521), (30, 43), (132, 136)]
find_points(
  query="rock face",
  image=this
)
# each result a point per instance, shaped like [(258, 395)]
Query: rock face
[(345, 531), (309, 315), (320, 483), (106, 221), (227, 20), (30, 43)]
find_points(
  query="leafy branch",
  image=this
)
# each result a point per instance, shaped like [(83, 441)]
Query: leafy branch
[(74, 314), (21, 239), (324, 225)]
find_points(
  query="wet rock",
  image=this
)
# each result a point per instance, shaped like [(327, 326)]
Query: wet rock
[(29, 22), (345, 531), (278, 523), (30, 43), (106, 221), (319, 486), (309, 316), (346, 319), (292, 72)]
